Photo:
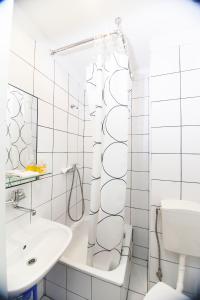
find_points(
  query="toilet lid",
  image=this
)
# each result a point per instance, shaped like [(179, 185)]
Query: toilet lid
[(164, 292)]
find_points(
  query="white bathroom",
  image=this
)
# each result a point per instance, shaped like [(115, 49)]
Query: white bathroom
[(100, 150)]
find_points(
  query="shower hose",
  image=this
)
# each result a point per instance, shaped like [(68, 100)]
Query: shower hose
[(75, 169)]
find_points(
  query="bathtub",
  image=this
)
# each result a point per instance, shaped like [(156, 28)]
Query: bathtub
[(118, 279)]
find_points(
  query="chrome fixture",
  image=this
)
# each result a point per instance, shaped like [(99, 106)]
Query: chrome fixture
[(73, 106), (16, 197), (117, 33)]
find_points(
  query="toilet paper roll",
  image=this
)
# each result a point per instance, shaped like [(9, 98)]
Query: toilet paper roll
[(164, 292)]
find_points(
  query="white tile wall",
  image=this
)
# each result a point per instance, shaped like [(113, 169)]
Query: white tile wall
[(190, 84), (60, 142), (166, 113), (190, 111), (165, 87), (174, 137), (32, 69)]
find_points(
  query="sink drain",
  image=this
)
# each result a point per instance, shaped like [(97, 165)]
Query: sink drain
[(31, 261)]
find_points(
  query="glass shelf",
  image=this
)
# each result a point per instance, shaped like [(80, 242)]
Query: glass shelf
[(12, 181)]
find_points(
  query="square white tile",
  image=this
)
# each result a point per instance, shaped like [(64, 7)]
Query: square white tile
[(43, 211), (72, 142), (72, 124), (45, 114), (59, 205), (190, 86), (165, 87), (61, 76), (140, 237), (88, 144), (140, 252), (140, 143), (166, 166), (45, 139), (140, 106), (59, 162), (161, 190), (165, 140), (191, 191), (58, 275), (60, 119), (138, 280), (139, 199), (60, 141), (59, 185), (60, 98), (79, 283), (140, 161), (72, 296), (104, 290), (140, 180), (190, 111), (140, 88), (191, 168), (165, 113), (43, 87), (88, 128), (55, 292), (140, 125), (41, 191), (74, 87), (190, 139), (135, 296), (140, 218)]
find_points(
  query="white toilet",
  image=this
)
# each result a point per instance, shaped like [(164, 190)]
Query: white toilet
[(180, 225)]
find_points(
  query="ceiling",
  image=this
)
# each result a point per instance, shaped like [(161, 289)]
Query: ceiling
[(62, 17), (66, 21)]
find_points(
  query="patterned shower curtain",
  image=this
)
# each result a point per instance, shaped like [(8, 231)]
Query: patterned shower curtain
[(108, 84)]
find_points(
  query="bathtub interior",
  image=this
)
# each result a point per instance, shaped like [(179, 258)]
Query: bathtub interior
[(76, 254)]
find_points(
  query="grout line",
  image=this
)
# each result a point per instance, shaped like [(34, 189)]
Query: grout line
[(181, 129)]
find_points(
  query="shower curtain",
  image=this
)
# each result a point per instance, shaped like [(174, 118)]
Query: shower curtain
[(108, 83)]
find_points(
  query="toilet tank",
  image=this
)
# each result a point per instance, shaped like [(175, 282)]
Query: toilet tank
[(181, 226)]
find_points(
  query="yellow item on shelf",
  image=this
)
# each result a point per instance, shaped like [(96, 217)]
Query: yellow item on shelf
[(40, 168), (30, 168)]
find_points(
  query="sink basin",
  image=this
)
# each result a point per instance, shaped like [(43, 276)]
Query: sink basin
[(32, 252)]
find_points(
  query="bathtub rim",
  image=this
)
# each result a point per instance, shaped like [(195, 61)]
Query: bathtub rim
[(116, 276)]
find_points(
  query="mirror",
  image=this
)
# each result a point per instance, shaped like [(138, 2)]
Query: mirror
[(21, 134)]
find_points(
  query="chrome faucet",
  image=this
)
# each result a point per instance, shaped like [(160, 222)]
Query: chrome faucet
[(16, 197)]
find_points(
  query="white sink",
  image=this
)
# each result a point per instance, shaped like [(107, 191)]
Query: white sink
[(32, 251)]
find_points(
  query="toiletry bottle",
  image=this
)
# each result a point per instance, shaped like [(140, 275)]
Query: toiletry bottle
[(31, 165), (41, 168)]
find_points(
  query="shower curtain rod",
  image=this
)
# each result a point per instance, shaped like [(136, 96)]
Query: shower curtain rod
[(85, 41), (118, 32)]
